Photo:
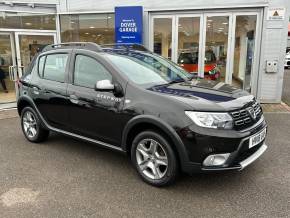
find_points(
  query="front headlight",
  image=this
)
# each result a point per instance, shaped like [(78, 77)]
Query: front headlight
[(211, 120)]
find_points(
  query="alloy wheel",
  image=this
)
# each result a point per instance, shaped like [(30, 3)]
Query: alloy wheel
[(151, 159), (29, 124)]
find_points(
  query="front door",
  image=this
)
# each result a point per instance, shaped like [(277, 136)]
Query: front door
[(8, 72), (16, 52), (94, 114)]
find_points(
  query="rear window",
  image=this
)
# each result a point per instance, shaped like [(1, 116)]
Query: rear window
[(54, 67)]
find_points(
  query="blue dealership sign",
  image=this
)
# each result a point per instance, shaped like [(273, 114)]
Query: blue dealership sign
[(128, 24)]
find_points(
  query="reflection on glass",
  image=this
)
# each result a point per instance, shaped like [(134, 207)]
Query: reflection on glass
[(21, 20), (7, 88), (188, 43), (29, 46), (163, 36), (244, 51), (98, 28), (216, 47)]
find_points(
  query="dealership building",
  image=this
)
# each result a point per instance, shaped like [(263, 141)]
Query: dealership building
[(240, 42)]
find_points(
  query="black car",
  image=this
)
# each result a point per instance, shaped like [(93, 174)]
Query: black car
[(131, 100)]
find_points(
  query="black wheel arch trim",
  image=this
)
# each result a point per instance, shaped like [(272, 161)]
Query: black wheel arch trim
[(31, 104), (150, 119)]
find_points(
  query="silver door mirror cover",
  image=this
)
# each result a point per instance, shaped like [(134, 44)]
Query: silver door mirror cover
[(104, 85)]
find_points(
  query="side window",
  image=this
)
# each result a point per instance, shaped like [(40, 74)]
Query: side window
[(88, 71), (41, 65), (54, 68)]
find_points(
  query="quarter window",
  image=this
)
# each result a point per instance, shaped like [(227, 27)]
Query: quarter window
[(40, 65), (54, 68), (88, 71)]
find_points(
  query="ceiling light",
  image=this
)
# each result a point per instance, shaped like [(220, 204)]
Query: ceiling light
[(28, 24), (99, 35), (92, 27), (87, 33), (106, 30), (109, 17), (225, 23), (209, 20), (72, 22)]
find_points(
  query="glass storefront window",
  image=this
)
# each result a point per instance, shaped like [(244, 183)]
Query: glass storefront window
[(216, 47), (163, 36), (98, 28), (19, 20), (188, 43), (29, 46), (245, 33)]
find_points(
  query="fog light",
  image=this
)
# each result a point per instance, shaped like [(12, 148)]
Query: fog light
[(216, 159)]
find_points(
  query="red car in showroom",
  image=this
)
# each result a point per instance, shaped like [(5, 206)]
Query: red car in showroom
[(188, 60)]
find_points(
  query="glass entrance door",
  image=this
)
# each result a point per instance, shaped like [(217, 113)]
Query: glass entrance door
[(245, 36), (216, 47), (28, 44), (161, 40), (7, 70)]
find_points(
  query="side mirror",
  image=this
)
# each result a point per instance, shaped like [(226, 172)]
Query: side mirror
[(104, 85)]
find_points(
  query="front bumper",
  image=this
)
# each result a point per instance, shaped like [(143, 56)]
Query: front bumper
[(243, 164), (200, 146)]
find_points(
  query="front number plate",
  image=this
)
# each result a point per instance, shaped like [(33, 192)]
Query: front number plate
[(256, 139)]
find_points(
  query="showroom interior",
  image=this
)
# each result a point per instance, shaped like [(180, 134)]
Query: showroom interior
[(230, 43)]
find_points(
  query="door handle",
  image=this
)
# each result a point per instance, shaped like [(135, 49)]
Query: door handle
[(12, 73), (74, 99)]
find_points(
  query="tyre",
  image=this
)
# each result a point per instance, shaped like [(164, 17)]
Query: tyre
[(31, 126), (154, 159)]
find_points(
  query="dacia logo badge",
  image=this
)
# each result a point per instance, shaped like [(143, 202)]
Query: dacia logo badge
[(252, 113)]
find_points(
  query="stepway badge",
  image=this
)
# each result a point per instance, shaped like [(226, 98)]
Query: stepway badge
[(128, 24)]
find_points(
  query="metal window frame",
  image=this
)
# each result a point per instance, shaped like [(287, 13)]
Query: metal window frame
[(29, 33), (201, 21), (256, 60)]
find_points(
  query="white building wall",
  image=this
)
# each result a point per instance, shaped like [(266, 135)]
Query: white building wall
[(149, 5), (274, 42)]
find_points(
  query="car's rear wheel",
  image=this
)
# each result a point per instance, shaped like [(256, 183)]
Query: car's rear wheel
[(31, 126), (154, 158)]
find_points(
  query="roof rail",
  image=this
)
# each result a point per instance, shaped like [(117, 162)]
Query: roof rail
[(126, 46), (86, 45)]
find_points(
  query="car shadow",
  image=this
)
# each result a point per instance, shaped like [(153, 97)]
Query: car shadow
[(120, 164)]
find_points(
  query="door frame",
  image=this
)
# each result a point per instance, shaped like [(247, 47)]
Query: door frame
[(29, 33), (257, 42), (173, 34), (13, 54), (230, 28), (200, 50)]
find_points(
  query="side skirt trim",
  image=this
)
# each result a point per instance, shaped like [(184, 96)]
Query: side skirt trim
[(104, 144)]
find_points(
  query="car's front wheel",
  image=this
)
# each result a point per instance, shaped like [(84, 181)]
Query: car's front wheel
[(31, 126), (154, 158)]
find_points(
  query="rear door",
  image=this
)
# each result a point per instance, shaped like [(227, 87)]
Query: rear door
[(94, 114), (49, 88)]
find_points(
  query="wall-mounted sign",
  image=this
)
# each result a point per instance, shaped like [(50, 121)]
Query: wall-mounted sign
[(276, 13), (128, 24)]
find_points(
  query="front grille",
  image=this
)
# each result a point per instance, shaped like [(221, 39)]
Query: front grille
[(246, 117)]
